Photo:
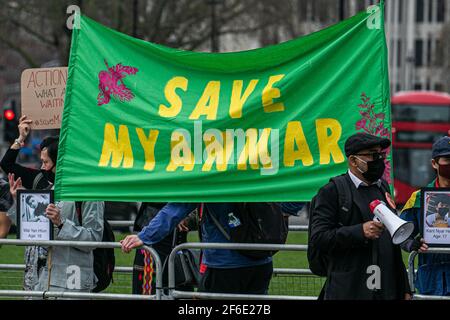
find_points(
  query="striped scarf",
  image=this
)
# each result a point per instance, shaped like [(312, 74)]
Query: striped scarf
[(148, 273)]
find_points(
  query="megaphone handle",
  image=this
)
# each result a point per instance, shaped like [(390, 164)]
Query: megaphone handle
[(376, 219)]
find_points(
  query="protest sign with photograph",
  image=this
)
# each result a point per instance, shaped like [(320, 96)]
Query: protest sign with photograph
[(434, 216), (32, 221)]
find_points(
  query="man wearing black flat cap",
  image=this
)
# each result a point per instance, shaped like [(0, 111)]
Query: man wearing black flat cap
[(361, 260)]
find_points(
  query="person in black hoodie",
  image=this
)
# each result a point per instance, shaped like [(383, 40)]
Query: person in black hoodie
[(42, 178)]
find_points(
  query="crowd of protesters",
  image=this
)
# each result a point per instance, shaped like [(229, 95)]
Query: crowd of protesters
[(348, 239)]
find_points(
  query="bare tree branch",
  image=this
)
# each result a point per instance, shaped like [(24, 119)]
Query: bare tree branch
[(32, 32), (27, 57)]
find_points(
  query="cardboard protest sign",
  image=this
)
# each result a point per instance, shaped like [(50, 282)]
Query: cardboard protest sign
[(42, 93)]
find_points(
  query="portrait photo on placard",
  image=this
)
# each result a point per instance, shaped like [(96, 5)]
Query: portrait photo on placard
[(435, 216), (32, 221)]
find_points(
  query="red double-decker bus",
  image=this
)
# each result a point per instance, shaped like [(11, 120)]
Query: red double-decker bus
[(418, 119)]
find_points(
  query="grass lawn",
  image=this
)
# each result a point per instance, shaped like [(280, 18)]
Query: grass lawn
[(281, 284), (15, 254)]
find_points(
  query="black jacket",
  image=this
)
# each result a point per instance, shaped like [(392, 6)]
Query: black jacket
[(340, 235), (28, 175)]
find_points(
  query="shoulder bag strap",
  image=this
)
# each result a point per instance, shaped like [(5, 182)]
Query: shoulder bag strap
[(37, 179), (217, 223), (78, 212), (344, 193)]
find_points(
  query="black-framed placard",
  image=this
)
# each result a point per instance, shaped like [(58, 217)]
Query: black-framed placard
[(32, 222), (434, 215)]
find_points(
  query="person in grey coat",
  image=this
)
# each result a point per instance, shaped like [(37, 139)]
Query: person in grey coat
[(72, 268), (69, 268)]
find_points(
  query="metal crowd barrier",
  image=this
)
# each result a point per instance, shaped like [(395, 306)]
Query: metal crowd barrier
[(74, 295), (47, 294), (283, 272), (298, 228), (121, 223), (412, 278), (123, 280), (130, 223), (176, 294), (277, 271)]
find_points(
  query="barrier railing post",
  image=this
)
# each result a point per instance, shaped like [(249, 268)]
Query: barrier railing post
[(411, 275), (235, 246)]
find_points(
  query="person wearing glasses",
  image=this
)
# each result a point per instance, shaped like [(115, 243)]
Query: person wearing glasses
[(362, 262)]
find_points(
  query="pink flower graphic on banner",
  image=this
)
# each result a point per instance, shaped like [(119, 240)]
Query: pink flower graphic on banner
[(111, 83), (373, 123)]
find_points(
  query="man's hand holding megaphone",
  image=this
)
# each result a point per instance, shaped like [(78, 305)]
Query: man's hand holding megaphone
[(373, 229), (418, 244), (400, 230)]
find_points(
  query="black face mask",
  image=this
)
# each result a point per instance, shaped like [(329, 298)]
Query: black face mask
[(444, 170), (443, 211), (375, 170), (49, 175)]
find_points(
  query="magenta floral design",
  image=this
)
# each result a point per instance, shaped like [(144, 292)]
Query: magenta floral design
[(373, 123), (111, 83)]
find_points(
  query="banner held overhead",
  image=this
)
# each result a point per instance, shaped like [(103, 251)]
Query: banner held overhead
[(143, 122)]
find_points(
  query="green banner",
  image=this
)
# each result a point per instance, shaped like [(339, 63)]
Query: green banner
[(143, 122)]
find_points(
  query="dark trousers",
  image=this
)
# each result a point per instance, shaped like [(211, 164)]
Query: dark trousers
[(246, 280)]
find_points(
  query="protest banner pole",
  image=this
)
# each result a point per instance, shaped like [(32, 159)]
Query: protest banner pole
[(49, 266)]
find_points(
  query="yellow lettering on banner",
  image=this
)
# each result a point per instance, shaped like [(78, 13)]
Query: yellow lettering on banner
[(217, 151), (148, 144), (255, 149), (328, 143), (208, 103), (119, 149), (238, 99), (175, 101), (269, 93), (295, 138), (180, 154)]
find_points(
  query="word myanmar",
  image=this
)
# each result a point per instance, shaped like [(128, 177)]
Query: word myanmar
[(216, 147)]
